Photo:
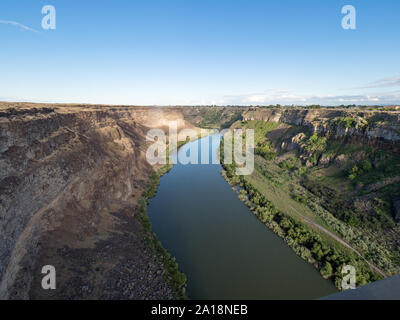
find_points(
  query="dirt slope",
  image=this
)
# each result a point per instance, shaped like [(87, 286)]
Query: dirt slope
[(70, 179)]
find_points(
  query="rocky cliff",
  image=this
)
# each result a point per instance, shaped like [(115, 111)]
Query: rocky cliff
[(70, 179), (379, 127)]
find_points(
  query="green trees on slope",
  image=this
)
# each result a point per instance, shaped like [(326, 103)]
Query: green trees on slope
[(308, 244)]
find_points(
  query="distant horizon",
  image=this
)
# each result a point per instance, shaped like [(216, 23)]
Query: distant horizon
[(204, 105)]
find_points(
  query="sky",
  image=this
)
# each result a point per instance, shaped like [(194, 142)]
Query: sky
[(191, 52)]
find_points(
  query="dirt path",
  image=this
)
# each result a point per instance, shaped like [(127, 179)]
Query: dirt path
[(335, 237)]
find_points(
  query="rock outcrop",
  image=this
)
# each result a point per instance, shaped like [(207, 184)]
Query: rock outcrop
[(368, 127)]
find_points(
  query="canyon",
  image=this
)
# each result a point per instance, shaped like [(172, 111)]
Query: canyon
[(72, 179)]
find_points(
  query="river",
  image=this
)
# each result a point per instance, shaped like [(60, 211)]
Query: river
[(224, 250)]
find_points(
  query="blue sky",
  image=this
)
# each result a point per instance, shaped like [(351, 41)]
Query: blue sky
[(200, 52)]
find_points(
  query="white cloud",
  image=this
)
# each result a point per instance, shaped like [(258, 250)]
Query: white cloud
[(383, 83), (19, 25), (288, 98)]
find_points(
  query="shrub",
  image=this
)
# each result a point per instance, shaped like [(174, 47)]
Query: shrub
[(300, 199), (327, 270), (265, 151), (316, 144), (364, 166), (347, 122)]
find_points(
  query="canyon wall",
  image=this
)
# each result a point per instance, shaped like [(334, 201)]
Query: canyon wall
[(372, 124), (70, 179), (375, 128)]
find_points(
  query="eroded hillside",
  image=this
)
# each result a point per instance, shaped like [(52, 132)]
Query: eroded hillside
[(71, 178)]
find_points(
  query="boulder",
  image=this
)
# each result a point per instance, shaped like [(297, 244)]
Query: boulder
[(325, 159)]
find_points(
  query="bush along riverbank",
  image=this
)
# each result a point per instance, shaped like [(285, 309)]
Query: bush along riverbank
[(175, 278), (328, 257), (172, 275)]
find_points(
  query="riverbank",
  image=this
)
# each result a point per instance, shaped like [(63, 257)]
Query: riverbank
[(175, 278), (326, 256), (222, 249)]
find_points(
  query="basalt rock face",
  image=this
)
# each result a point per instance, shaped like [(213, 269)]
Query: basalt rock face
[(70, 180), (375, 128)]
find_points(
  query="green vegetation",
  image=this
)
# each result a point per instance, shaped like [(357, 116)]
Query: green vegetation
[(327, 270), (336, 148), (172, 276), (264, 150), (229, 168), (346, 210), (308, 244), (211, 119), (315, 143), (262, 145), (290, 164), (261, 129), (364, 166), (300, 199), (237, 116), (376, 119), (218, 118), (347, 122), (385, 166), (344, 186)]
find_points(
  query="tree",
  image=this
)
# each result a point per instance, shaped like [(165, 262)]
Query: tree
[(326, 270)]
